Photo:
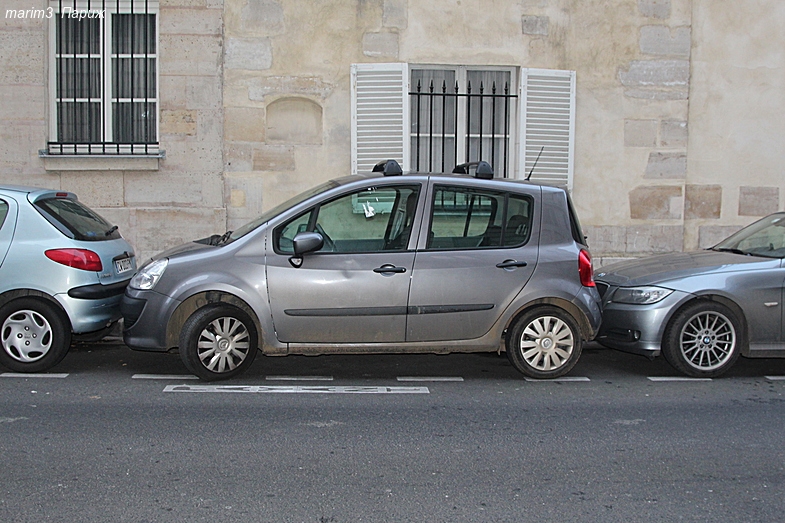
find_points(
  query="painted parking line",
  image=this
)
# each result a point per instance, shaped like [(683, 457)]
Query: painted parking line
[(429, 378), (25, 375), (775, 378), (557, 380), (298, 378), (676, 378), (295, 389), (164, 377)]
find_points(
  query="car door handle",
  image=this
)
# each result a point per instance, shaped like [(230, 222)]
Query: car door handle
[(510, 264), (389, 268)]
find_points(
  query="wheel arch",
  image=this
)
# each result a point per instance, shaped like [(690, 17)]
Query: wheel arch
[(561, 303), (201, 299), (14, 294)]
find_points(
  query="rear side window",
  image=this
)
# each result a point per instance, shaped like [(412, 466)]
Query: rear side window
[(76, 221), (3, 212), (466, 218)]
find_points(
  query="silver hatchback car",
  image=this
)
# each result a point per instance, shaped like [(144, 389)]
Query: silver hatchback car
[(379, 263), (63, 270)]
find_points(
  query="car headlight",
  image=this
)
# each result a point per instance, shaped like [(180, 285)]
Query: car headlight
[(149, 275), (640, 295)]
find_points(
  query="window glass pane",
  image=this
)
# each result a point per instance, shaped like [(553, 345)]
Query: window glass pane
[(3, 212), (519, 218), (466, 219), (133, 34), (433, 119), (488, 117), (79, 122), (373, 227), (81, 221), (134, 122), (133, 78), (79, 77), (285, 235), (75, 36)]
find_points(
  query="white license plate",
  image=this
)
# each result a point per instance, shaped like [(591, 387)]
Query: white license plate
[(123, 265)]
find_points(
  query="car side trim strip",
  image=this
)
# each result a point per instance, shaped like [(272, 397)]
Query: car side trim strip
[(390, 311)]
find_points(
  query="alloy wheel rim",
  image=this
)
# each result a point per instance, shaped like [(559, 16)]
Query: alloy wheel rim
[(707, 340), (26, 336), (223, 345), (547, 343)]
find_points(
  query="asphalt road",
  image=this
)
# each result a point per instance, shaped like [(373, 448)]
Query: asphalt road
[(113, 435)]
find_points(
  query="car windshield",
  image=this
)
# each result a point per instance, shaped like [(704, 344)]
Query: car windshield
[(278, 209), (76, 220), (766, 237)]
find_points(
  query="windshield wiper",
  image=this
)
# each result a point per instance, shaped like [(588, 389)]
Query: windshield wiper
[(223, 238), (725, 249), (110, 231)]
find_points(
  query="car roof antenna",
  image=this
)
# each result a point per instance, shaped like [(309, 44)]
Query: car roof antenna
[(535, 164)]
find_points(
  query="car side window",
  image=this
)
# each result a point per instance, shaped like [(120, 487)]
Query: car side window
[(374, 219), (466, 218), (3, 212)]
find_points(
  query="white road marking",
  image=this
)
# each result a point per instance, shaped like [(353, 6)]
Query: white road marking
[(564, 378), (25, 375), (299, 378), (164, 377), (296, 389), (775, 378), (429, 378), (676, 378)]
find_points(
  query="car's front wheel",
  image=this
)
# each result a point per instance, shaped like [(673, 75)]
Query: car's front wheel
[(35, 335), (544, 343), (218, 341), (702, 340)]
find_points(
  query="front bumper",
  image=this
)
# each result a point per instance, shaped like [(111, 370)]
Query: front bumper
[(145, 318), (637, 328)]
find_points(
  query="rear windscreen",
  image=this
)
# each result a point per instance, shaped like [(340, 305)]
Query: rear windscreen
[(76, 220)]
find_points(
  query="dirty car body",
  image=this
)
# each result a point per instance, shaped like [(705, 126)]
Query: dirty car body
[(378, 264)]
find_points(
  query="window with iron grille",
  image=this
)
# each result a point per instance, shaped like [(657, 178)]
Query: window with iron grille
[(461, 114), (104, 78), (430, 118)]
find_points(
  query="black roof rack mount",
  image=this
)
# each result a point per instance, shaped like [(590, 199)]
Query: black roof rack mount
[(388, 167), (482, 169)]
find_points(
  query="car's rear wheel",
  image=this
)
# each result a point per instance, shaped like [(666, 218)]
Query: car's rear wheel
[(702, 340), (544, 343), (35, 335), (218, 341)]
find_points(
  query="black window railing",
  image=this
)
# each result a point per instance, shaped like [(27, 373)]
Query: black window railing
[(450, 127)]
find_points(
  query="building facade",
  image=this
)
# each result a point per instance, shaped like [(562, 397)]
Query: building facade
[(178, 119)]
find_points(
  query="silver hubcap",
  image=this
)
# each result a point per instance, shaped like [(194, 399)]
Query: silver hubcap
[(708, 340), (223, 345), (547, 343), (26, 336)]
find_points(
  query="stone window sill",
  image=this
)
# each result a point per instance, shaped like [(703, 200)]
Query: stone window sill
[(109, 162)]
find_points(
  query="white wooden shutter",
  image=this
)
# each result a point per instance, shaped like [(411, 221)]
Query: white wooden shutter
[(380, 115), (547, 125)]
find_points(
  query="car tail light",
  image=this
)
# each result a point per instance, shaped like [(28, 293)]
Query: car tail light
[(76, 258), (585, 269)]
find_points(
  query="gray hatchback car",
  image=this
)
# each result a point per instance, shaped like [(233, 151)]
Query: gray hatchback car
[(379, 263), (63, 270)]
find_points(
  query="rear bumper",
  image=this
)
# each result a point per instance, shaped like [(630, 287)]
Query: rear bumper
[(90, 315), (98, 291)]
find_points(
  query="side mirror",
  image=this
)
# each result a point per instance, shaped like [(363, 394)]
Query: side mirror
[(303, 243)]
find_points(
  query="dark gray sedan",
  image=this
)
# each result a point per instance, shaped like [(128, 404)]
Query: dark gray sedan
[(701, 309)]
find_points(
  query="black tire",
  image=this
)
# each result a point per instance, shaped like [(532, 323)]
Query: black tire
[(35, 335), (218, 342), (544, 343), (702, 340)]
